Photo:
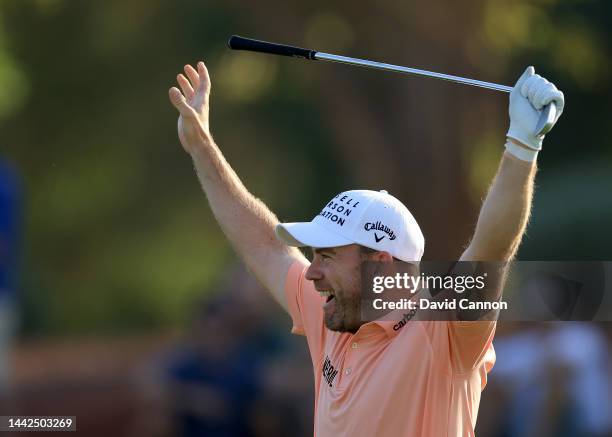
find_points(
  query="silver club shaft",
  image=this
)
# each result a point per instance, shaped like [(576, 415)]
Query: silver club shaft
[(399, 69), (545, 123)]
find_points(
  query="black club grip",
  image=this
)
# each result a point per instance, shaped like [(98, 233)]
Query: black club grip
[(239, 43)]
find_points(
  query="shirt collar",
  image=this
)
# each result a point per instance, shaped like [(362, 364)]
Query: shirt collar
[(391, 327), (393, 322)]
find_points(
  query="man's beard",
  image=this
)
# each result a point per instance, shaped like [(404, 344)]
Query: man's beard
[(346, 311)]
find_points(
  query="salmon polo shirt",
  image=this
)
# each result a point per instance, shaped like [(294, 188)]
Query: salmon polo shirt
[(419, 378)]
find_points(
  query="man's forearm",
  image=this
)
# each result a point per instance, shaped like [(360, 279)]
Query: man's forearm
[(505, 211), (245, 220)]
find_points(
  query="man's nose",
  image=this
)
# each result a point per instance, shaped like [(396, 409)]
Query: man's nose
[(314, 272)]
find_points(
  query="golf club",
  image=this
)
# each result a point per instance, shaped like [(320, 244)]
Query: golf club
[(545, 123)]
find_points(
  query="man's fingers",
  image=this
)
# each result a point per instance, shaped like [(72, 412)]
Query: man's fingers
[(185, 86), (529, 71), (540, 92), (530, 86), (540, 97), (202, 92), (204, 77), (554, 96), (193, 76), (179, 102)]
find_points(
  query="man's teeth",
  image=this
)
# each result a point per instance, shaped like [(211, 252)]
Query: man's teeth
[(325, 293)]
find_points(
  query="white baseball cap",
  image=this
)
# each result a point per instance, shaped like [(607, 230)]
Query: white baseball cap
[(373, 219)]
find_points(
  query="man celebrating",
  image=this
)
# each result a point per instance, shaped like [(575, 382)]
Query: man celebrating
[(380, 378)]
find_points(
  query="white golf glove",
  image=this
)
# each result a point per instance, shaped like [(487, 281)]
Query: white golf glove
[(530, 94)]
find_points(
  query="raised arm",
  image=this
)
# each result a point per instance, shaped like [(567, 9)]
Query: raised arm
[(246, 221), (505, 211)]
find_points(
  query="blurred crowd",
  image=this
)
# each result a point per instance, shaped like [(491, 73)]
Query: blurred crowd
[(550, 379), (237, 372), (10, 238)]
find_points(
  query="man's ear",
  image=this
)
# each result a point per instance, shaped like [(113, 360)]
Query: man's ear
[(382, 257)]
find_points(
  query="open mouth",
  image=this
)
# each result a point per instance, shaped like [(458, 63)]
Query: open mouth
[(328, 295)]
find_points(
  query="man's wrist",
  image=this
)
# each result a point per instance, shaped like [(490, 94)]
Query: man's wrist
[(520, 150), (202, 145), (519, 143)]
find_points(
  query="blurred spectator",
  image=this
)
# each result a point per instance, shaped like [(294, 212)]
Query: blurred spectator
[(555, 380), (10, 230), (211, 380), (224, 380)]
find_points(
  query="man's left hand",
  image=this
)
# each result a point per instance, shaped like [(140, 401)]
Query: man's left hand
[(530, 94)]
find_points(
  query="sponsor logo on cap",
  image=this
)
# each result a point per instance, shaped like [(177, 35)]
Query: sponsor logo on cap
[(379, 226), (339, 208)]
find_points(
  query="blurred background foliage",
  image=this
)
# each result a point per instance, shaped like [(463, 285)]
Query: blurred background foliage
[(118, 233)]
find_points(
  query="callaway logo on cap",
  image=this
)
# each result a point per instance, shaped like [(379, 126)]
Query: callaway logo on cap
[(374, 219)]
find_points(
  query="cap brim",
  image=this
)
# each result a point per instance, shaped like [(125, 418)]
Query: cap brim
[(309, 234)]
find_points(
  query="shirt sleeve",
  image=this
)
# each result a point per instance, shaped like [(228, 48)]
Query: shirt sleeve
[(305, 308), (470, 342)]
